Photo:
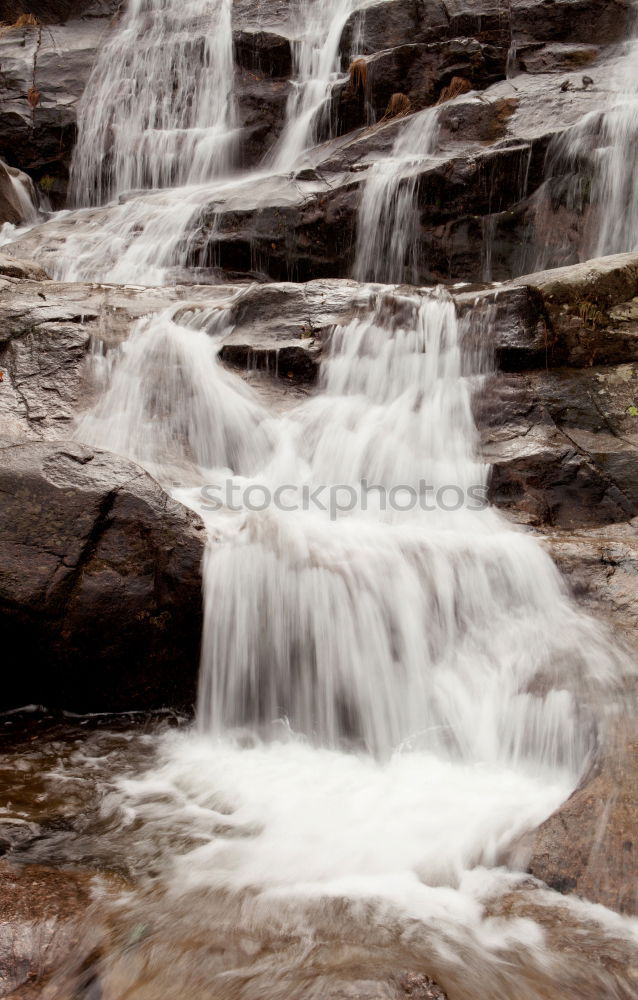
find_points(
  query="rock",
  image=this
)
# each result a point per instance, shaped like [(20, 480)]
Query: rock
[(13, 267), (386, 25), (572, 20), (559, 57), (601, 566), (17, 196), (57, 11), (558, 458), (100, 583), (55, 63), (588, 846), (263, 52), (42, 913), (419, 71)]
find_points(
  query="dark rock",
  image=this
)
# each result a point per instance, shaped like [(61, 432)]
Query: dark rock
[(386, 25), (55, 62), (261, 103), (100, 583), (57, 11), (264, 52), (572, 20)]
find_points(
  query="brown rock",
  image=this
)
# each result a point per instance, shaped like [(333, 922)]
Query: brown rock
[(589, 845), (100, 583)]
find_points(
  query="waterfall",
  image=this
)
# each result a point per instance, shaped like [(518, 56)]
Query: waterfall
[(388, 222), (158, 129), (158, 110), (357, 586), (319, 26), (591, 174), (394, 684)]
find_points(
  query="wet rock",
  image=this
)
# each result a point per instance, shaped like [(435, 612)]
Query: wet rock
[(601, 567), (588, 847), (13, 267), (419, 71), (17, 195), (51, 64), (261, 103), (572, 20), (57, 11), (386, 25), (263, 52), (42, 911), (558, 459), (100, 584), (557, 57)]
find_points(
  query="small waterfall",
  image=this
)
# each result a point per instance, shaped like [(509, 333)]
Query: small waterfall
[(400, 617), (388, 224), (23, 202), (588, 205), (158, 111), (168, 404), (319, 26)]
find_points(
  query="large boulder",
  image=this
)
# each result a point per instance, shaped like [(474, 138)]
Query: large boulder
[(100, 583)]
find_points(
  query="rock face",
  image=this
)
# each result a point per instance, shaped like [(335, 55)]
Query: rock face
[(589, 846), (44, 71), (100, 585)]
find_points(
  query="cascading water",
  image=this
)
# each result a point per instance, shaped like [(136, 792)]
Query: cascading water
[(592, 176), (388, 224), (317, 63), (163, 142), (158, 111), (379, 603), (394, 683)]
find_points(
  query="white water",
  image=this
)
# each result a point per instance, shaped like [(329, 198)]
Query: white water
[(388, 697), (158, 111), (318, 28), (388, 222), (162, 142), (20, 191)]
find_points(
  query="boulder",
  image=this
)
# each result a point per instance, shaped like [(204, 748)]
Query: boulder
[(100, 583)]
